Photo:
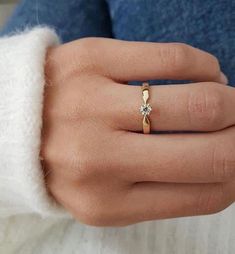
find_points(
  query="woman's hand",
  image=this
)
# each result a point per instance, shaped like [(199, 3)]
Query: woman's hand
[(100, 166)]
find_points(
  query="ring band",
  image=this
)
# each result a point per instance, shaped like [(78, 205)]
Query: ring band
[(145, 108)]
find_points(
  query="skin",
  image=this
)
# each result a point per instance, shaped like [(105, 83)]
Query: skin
[(99, 165)]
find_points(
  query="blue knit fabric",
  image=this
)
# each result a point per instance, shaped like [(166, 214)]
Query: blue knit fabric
[(206, 24), (72, 19)]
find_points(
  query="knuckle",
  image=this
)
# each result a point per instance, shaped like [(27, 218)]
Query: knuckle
[(78, 159), (228, 167), (86, 52), (89, 167), (174, 56), (83, 165), (76, 162), (226, 164), (206, 107), (87, 158), (86, 44), (222, 159)]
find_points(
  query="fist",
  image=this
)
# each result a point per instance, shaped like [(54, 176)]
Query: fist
[(101, 167)]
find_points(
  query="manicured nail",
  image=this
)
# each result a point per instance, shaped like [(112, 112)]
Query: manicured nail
[(223, 78)]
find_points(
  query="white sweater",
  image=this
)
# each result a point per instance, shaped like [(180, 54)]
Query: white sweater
[(22, 59), (22, 187)]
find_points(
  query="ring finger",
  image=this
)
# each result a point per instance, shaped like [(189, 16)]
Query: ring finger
[(195, 107)]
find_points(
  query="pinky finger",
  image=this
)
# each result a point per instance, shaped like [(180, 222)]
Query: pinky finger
[(152, 201)]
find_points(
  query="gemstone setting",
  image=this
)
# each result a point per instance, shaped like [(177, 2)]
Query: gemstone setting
[(145, 109)]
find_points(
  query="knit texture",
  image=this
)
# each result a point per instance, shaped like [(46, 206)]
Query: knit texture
[(22, 187)]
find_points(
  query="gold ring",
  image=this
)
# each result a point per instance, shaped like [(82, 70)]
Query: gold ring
[(145, 108)]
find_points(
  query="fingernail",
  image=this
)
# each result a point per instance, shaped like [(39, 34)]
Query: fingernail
[(223, 78)]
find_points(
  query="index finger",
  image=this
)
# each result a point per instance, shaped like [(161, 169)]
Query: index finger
[(125, 61)]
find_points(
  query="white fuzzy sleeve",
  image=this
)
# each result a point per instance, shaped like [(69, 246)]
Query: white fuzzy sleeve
[(22, 187)]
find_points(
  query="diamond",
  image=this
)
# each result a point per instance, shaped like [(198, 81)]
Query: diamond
[(145, 109)]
